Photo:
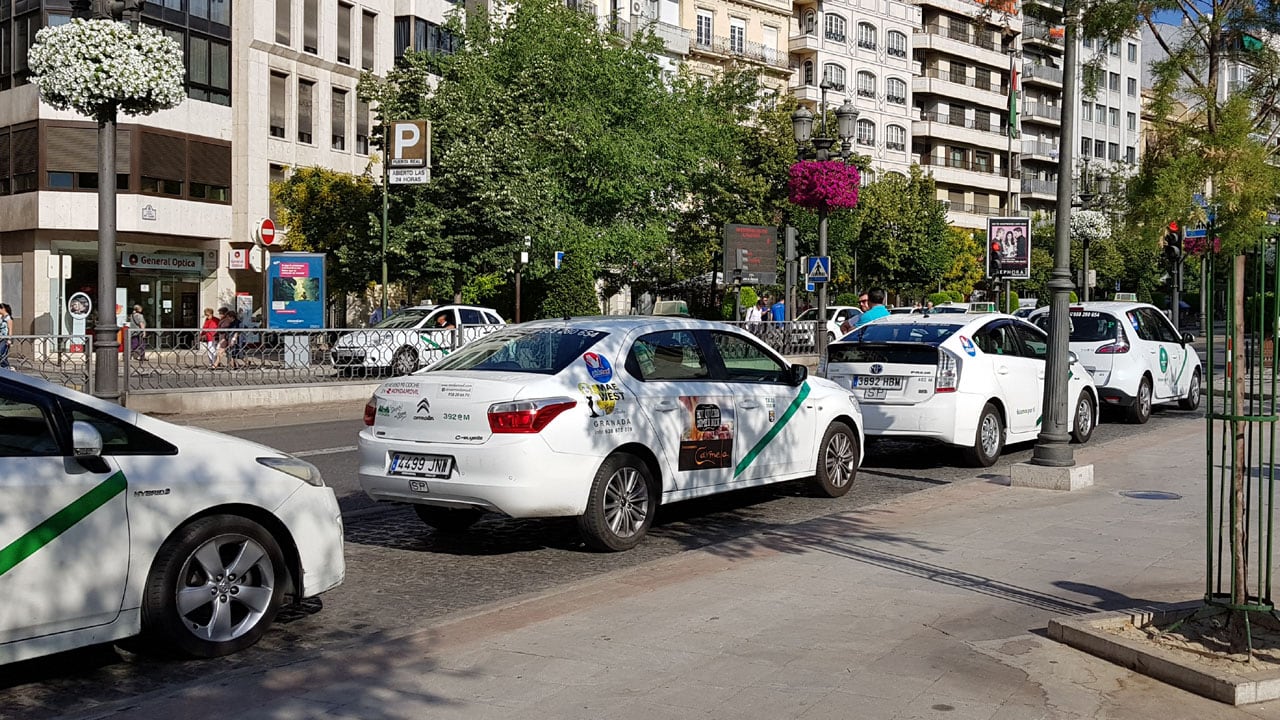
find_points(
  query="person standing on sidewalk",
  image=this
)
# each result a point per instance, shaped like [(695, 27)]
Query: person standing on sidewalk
[(6, 330), (875, 308), (137, 329), (210, 337)]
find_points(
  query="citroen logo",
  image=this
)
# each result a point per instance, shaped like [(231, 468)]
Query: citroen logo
[(424, 406), (877, 369)]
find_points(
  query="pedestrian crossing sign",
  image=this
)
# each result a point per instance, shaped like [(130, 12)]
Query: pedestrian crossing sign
[(819, 269)]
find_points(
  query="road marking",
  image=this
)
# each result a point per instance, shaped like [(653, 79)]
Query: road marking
[(326, 451)]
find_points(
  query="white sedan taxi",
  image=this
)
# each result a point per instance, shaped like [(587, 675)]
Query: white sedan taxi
[(412, 338), (973, 380), (1134, 354), (603, 419), (116, 524)]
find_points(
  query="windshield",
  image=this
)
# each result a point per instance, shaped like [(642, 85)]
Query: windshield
[(404, 319), (543, 350), (928, 333), (1086, 326)]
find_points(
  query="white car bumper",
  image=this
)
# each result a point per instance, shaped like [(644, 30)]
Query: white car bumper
[(311, 514), (517, 475), (947, 417), (351, 356)]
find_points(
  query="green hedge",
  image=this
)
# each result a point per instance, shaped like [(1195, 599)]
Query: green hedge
[(939, 298), (849, 299), (749, 298)]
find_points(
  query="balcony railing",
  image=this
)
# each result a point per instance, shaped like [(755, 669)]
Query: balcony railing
[(957, 78), (964, 34), (1041, 187), (582, 6), (1037, 147), (983, 126), (1042, 72), (985, 168), (1040, 110), (1035, 30), (759, 52), (974, 209)]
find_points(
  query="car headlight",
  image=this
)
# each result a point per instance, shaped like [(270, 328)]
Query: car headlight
[(300, 469)]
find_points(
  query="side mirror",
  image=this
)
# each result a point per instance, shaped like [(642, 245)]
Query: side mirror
[(1188, 338), (798, 374), (1072, 357), (86, 441)]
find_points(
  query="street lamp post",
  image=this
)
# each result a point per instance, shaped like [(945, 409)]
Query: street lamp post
[(802, 128), (1086, 203)]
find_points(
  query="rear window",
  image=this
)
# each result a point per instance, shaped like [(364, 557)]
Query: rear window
[(928, 333), (545, 351), (1086, 326), (846, 352)]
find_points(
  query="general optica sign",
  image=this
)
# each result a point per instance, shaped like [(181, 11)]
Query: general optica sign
[(296, 291)]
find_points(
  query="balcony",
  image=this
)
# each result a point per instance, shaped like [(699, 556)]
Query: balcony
[(674, 37), (969, 165), (961, 41), (992, 85), (804, 42), (1039, 150), (1048, 188), (1036, 31), (734, 48), (957, 121), (1040, 111), (973, 209), (964, 34), (1043, 74)]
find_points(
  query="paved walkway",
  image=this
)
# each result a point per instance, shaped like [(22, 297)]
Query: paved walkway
[(931, 606)]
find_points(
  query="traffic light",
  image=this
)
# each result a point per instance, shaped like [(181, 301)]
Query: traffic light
[(993, 260), (742, 259), (1173, 242)]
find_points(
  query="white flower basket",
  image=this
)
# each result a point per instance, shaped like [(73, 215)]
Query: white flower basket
[(97, 67), (1090, 225)]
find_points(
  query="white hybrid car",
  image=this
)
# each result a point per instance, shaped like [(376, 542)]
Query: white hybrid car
[(413, 338), (116, 524), (1134, 354), (603, 419), (971, 380)]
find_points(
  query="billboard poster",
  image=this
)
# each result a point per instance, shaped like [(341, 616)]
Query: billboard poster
[(1009, 248), (296, 291)]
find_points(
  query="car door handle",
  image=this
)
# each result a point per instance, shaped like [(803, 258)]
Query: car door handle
[(749, 404), (1003, 369), (1040, 375), (666, 405)]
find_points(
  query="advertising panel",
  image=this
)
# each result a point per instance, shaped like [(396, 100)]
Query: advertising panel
[(296, 291), (1009, 248), (760, 260)]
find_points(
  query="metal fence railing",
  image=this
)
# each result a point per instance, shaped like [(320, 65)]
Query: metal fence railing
[(189, 359)]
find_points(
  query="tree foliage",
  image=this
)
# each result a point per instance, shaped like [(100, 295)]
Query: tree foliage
[(331, 212), (904, 241)]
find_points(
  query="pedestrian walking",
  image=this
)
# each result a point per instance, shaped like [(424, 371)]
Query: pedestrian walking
[(210, 337), (754, 314), (376, 316), (228, 338), (6, 331), (138, 337)]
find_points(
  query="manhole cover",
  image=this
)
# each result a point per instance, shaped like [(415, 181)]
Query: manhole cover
[(1150, 495)]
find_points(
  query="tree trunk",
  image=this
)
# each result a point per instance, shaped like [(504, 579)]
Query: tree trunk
[(1237, 624)]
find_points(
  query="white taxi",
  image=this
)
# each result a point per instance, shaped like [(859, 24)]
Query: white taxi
[(603, 419), (1134, 354), (412, 338), (116, 524), (971, 380)]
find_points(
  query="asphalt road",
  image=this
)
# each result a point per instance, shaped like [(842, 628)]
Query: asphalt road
[(401, 576)]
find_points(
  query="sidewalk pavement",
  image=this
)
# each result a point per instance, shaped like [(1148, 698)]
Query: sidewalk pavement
[(930, 606)]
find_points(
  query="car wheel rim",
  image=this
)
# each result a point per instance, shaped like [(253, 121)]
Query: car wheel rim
[(1144, 399), (626, 502), (839, 460), (225, 588), (1194, 395), (990, 435), (1084, 418)]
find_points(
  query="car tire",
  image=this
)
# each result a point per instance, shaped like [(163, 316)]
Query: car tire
[(837, 461), (404, 362), (447, 521), (988, 441), (1192, 400), (1140, 411), (196, 605), (621, 505), (831, 337), (1086, 418)]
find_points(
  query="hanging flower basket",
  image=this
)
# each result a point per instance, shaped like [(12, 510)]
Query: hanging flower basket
[(96, 67), (1090, 225), (824, 184)]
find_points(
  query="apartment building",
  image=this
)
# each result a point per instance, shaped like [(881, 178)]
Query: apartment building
[(862, 50), (271, 86), (961, 90), (728, 32)]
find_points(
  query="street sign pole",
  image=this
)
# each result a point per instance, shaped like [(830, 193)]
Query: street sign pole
[(386, 161)]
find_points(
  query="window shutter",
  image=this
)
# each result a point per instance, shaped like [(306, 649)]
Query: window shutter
[(164, 156), (210, 164)]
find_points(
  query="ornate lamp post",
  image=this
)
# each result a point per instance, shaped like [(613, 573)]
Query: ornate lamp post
[(802, 128), (1087, 198)]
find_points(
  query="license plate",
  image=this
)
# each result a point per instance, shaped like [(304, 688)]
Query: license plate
[(874, 393), (891, 382), (421, 465)]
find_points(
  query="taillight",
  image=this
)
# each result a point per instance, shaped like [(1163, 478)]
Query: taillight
[(1118, 347), (948, 372), (370, 411), (527, 416)]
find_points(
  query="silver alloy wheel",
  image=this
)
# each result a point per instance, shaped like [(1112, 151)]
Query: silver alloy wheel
[(1194, 394), (840, 461), (1144, 398), (626, 502), (1084, 417), (225, 588), (990, 434)]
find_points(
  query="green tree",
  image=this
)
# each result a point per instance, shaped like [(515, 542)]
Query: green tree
[(904, 241)]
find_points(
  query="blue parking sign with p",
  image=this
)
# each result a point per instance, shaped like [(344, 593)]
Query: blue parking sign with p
[(819, 269)]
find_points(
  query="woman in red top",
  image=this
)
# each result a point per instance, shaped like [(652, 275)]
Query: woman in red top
[(209, 336)]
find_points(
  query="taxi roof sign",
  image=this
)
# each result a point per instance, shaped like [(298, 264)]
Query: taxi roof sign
[(1126, 297), (982, 307)]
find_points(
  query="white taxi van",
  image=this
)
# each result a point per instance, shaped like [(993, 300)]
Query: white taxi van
[(973, 380), (116, 524), (1135, 356), (603, 419)]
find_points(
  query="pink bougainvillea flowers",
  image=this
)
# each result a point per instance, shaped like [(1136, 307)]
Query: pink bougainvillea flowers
[(824, 184)]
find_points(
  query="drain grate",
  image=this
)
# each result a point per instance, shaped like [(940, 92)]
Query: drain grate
[(1150, 495)]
